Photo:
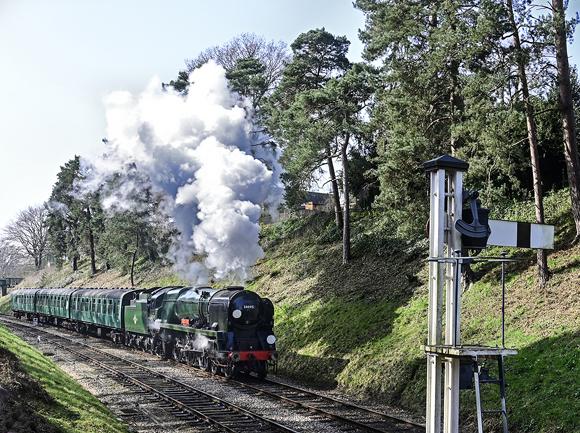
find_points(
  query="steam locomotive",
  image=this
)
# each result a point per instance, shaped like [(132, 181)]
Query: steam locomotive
[(220, 330)]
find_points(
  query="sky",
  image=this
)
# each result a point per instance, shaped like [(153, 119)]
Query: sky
[(59, 59)]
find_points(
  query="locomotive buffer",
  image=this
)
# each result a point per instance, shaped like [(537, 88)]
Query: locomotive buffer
[(452, 232)]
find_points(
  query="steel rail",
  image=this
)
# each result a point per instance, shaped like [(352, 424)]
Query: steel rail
[(161, 394), (382, 415), (313, 409)]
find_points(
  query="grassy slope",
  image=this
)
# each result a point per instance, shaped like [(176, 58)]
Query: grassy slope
[(44, 399), (360, 326)]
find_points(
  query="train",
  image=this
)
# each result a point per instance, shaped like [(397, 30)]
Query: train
[(224, 331)]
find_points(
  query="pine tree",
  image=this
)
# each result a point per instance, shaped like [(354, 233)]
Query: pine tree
[(306, 139)]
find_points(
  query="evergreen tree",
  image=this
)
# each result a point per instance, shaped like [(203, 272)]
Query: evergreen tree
[(444, 68), (133, 228), (298, 125), (248, 79), (522, 60), (65, 215), (317, 113)]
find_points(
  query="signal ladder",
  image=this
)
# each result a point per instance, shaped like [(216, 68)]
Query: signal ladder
[(480, 375)]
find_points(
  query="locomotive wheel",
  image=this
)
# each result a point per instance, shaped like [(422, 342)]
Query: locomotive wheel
[(176, 354), (263, 371), (189, 358), (203, 363), (164, 350), (214, 367), (229, 371)]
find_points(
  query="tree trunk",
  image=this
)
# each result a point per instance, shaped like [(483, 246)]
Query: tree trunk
[(346, 211), (133, 260), (542, 256), (455, 99), (91, 243), (567, 110), (133, 267), (335, 193)]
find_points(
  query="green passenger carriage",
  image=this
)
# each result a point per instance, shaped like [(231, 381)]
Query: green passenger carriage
[(23, 302), (100, 308)]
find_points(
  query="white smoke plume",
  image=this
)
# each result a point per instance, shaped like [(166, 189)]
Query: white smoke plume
[(200, 151)]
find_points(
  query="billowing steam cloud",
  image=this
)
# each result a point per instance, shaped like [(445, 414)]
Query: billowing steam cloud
[(201, 152)]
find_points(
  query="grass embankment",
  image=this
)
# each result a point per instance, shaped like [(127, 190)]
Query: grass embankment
[(41, 398), (360, 326)]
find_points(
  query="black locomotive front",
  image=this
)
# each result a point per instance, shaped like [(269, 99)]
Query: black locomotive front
[(229, 329)]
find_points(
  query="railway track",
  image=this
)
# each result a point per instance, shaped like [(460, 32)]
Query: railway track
[(360, 418), (336, 415), (185, 400)]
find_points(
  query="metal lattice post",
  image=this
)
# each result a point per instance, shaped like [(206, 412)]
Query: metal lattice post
[(446, 189), (453, 301), (435, 330)]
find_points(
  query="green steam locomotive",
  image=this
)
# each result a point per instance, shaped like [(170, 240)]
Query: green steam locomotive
[(221, 330)]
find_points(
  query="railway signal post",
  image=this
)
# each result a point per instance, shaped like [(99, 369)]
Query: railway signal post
[(449, 234), (446, 203)]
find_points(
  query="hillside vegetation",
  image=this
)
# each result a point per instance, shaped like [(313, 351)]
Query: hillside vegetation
[(359, 327)]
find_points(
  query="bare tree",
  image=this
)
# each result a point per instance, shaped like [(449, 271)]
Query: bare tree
[(13, 263), (274, 55), (29, 232)]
